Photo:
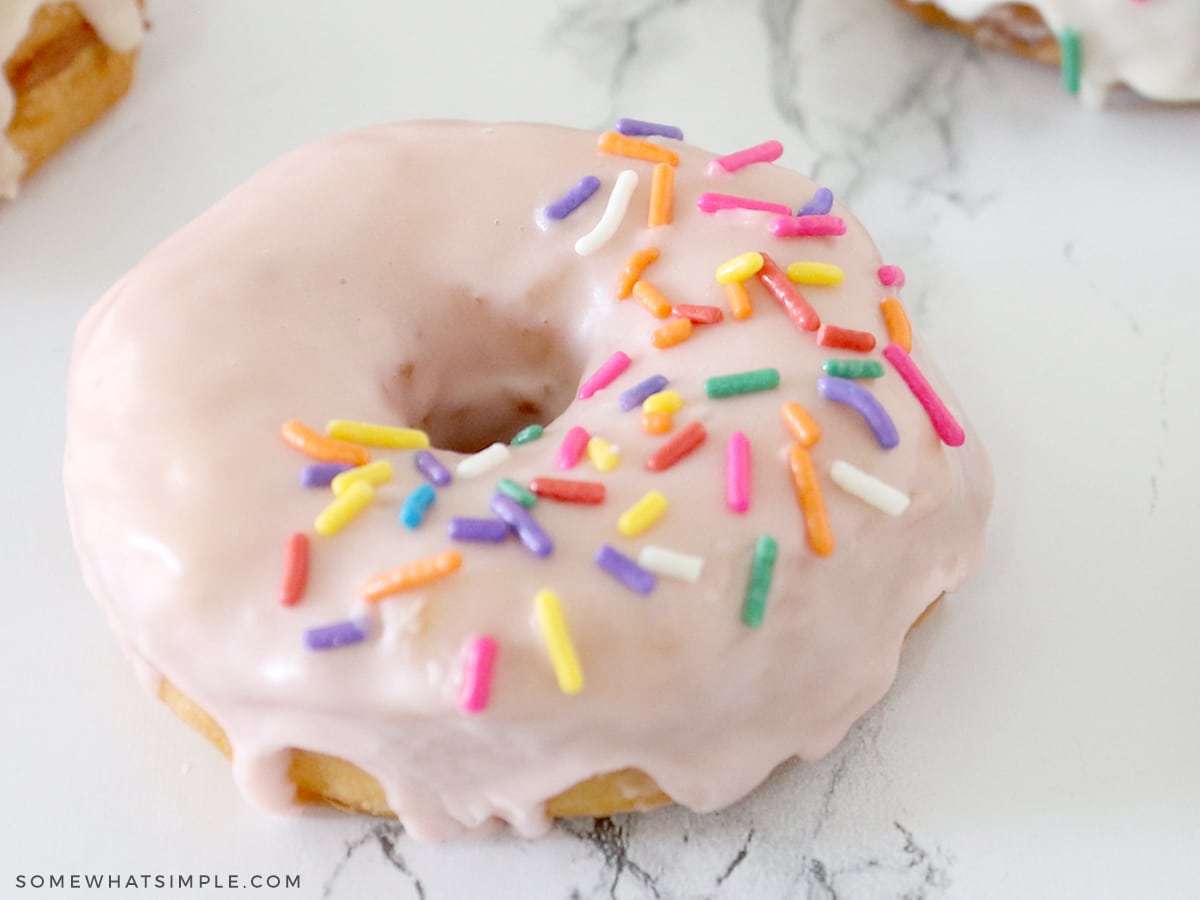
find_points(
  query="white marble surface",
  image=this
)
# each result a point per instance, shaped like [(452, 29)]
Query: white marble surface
[(1041, 739)]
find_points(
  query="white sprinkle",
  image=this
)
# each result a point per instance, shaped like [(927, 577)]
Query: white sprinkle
[(483, 461), (614, 213), (671, 563), (868, 488)]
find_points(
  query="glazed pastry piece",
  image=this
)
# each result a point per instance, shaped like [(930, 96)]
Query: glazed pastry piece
[(65, 64), (462, 280), (1152, 46)]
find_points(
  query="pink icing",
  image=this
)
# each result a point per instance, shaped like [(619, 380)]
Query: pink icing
[(397, 275)]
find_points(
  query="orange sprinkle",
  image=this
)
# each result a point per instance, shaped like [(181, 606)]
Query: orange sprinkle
[(622, 145), (899, 329), (674, 332), (652, 298), (803, 426), (812, 504), (658, 422), (411, 575), (320, 447), (739, 299), (662, 192), (634, 266)]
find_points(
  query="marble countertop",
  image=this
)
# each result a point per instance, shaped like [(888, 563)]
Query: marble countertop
[(1041, 739)]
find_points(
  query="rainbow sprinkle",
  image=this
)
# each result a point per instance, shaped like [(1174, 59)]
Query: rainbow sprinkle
[(572, 199), (762, 571), (671, 563), (613, 215), (767, 151), (412, 575), (639, 128), (625, 570), (416, 505), (343, 509), (944, 423), (643, 514), (528, 531), (606, 374), (478, 662), (863, 402), (557, 637), (737, 473), (339, 634), (820, 204), (295, 569), (1071, 51)]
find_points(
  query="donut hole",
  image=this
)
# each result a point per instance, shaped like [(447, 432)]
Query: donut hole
[(493, 377)]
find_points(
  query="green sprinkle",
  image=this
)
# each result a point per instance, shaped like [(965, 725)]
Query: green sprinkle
[(1070, 51), (853, 368), (742, 383), (510, 488), (761, 570), (527, 434)]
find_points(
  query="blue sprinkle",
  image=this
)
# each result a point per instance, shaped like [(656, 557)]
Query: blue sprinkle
[(416, 505), (638, 128)]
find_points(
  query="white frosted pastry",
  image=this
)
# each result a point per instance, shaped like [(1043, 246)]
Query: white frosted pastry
[(1152, 46), (408, 275), (64, 64)]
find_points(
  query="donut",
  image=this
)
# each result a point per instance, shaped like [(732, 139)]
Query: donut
[(1151, 46), (466, 472), (65, 64)]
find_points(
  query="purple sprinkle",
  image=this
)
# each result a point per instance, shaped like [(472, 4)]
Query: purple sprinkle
[(820, 204), (428, 465), (638, 128), (862, 401), (339, 634), (519, 520), (321, 474), (491, 531), (640, 391), (625, 570), (573, 199)]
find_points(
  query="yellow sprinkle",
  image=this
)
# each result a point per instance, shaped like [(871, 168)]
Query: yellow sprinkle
[(558, 642), (642, 514), (815, 273), (663, 401), (739, 268), (374, 474), (603, 455), (338, 514), (377, 435)]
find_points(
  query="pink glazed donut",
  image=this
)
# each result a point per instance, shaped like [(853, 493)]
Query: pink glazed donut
[(649, 508)]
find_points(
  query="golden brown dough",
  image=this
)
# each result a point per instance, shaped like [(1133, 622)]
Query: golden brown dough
[(320, 778), (63, 78), (1012, 27)]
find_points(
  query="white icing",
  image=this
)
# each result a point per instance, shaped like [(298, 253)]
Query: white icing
[(117, 22), (1153, 46)]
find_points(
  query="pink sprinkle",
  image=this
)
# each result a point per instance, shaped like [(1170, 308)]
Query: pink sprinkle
[(768, 151), (477, 674), (891, 275), (570, 451), (605, 375), (737, 472), (808, 226), (711, 203), (944, 424)]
